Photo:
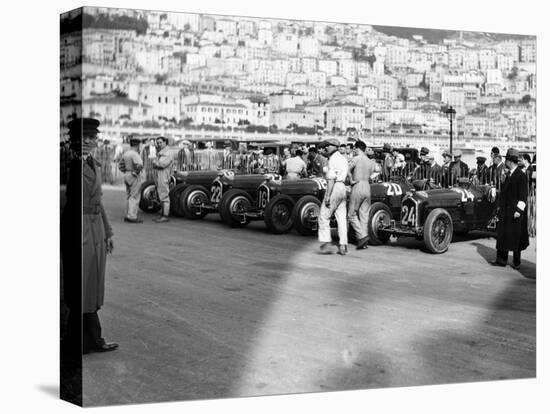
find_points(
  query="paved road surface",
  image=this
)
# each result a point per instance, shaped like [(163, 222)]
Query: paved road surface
[(204, 311)]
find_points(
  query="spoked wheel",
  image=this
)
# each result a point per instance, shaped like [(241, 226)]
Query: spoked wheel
[(278, 214), (438, 231), (305, 215), (149, 201), (379, 216), (232, 206), (191, 200)]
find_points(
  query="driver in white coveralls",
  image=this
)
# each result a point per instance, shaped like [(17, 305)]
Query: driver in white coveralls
[(334, 201)]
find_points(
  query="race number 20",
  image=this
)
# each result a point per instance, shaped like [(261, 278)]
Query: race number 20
[(393, 189)]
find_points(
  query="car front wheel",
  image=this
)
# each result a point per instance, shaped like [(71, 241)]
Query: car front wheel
[(438, 231)]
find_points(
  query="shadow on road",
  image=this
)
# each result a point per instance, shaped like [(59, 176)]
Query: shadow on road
[(527, 269)]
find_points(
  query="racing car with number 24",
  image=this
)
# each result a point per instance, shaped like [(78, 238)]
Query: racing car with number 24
[(434, 215)]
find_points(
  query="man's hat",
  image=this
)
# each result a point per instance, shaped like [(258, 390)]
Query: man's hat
[(134, 141), (387, 147), (495, 150), (446, 153), (83, 126), (512, 155), (481, 160), (185, 142), (331, 141), (457, 153), (424, 151)]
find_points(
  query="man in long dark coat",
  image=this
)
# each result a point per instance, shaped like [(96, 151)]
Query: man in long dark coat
[(512, 215), (84, 254)]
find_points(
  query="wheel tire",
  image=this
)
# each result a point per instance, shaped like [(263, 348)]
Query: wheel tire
[(305, 207), (187, 200), (438, 231), (149, 201), (230, 203), (278, 214), (379, 214), (175, 194)]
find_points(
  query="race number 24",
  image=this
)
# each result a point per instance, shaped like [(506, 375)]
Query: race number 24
[(393, 189), (408, 215)]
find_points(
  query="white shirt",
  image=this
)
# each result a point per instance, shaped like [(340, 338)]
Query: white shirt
[(337, 167)]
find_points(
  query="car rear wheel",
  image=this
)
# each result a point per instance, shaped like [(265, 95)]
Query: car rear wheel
[(190, 200), (379, 216), (175, 194), (278, 214), (438, 231), (149, 201), (305, 215), (232, 206)]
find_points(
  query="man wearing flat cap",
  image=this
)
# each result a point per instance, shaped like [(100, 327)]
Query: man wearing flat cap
[(482, 171), (512, 232), (458, 168), (163, 165), (334, 201), (446, 169), (131, 165), (86, 239)]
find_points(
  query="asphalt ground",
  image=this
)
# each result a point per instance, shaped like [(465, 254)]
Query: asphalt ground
[(202, 311)]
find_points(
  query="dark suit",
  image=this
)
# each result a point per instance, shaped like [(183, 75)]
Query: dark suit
[(512, 232), (458, 169), (496, 174)]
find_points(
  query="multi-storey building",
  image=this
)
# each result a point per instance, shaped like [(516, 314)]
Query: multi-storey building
[(226, 26), (284, 118), (344, 115), (528, 51), (388, 88), (329, 66), (308, 65), (487, 59), (284, 100), (109, 110), (218, 113), (164, 100)]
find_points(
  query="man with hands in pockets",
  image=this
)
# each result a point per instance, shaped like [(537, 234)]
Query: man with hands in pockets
[(334, 201)]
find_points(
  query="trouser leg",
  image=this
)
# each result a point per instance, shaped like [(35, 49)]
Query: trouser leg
[(517, 257), (364, 216), (502, 256), (353, 209), (338, 202), (91, 331), (134, 195), (324, 224), (163, 192)]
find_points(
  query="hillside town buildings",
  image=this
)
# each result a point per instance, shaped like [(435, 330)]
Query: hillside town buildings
[(267, 72)]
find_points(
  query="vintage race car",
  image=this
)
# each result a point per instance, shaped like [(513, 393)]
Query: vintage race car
[(284, 204), (434, 215), (149, 201), (196, 200)]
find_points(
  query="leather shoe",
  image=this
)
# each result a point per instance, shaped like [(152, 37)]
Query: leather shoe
[(497, 263), (103, 348), (129, 220), (343, 249), (516, 265), (326, 248), (362, 243), (107, 347)]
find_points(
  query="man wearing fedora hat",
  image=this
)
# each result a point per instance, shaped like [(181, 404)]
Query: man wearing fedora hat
[(86, 239), (334, 201), (482, 171), (512, 232)]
